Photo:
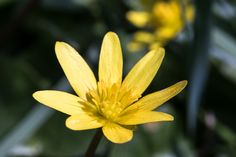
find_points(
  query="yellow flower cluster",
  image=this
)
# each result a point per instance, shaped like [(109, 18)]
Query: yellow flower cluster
[(114, 105), (163, 22)]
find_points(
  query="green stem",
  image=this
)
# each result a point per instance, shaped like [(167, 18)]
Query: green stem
[(94, 144)]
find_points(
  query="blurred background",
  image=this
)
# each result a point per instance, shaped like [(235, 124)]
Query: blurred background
[(199, 38)]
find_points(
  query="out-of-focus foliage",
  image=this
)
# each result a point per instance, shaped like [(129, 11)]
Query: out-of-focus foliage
[(28, 31)]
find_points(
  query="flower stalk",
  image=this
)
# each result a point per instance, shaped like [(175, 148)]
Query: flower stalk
[(94, 143)]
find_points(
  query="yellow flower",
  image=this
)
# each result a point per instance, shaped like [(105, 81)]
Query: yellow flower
[(165, 20), (110, 103)]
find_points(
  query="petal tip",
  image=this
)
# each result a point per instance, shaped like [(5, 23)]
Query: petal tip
[(161, 51), (110, 33), (171, 118), (168, 117), (59, 44), (117, 134), (111, 36), (36, 95), (69, 123), (122, 142), (183, 83)]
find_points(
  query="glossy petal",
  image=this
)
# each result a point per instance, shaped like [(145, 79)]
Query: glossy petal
[(117, 133), (111, 61), (83, 122), (76, 69), (144, 71), (154, 100), (144, 117), (61, 101)]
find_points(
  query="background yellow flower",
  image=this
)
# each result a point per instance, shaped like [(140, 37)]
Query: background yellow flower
[(163, 22)]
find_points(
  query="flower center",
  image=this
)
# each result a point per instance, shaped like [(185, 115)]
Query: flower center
[(110, 101), (110, 110)]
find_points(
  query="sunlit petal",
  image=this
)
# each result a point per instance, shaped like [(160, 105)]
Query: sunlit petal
[(83, 122), (61, 101), (117, 133), (144, 117), (154, 100), (76, 69), (144, 71), (111, 62)]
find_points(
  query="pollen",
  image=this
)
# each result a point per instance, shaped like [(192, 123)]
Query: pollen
[(109, 101)]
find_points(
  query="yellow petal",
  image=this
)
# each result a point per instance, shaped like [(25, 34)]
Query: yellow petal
[(61, 101), (83, 122), (138, 18), (116, 133), (111, 61), (134, 46), (155, 45), (76, 69), (144, 117), (144, 37), (166, 33), (154, 100), (144, 71)]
